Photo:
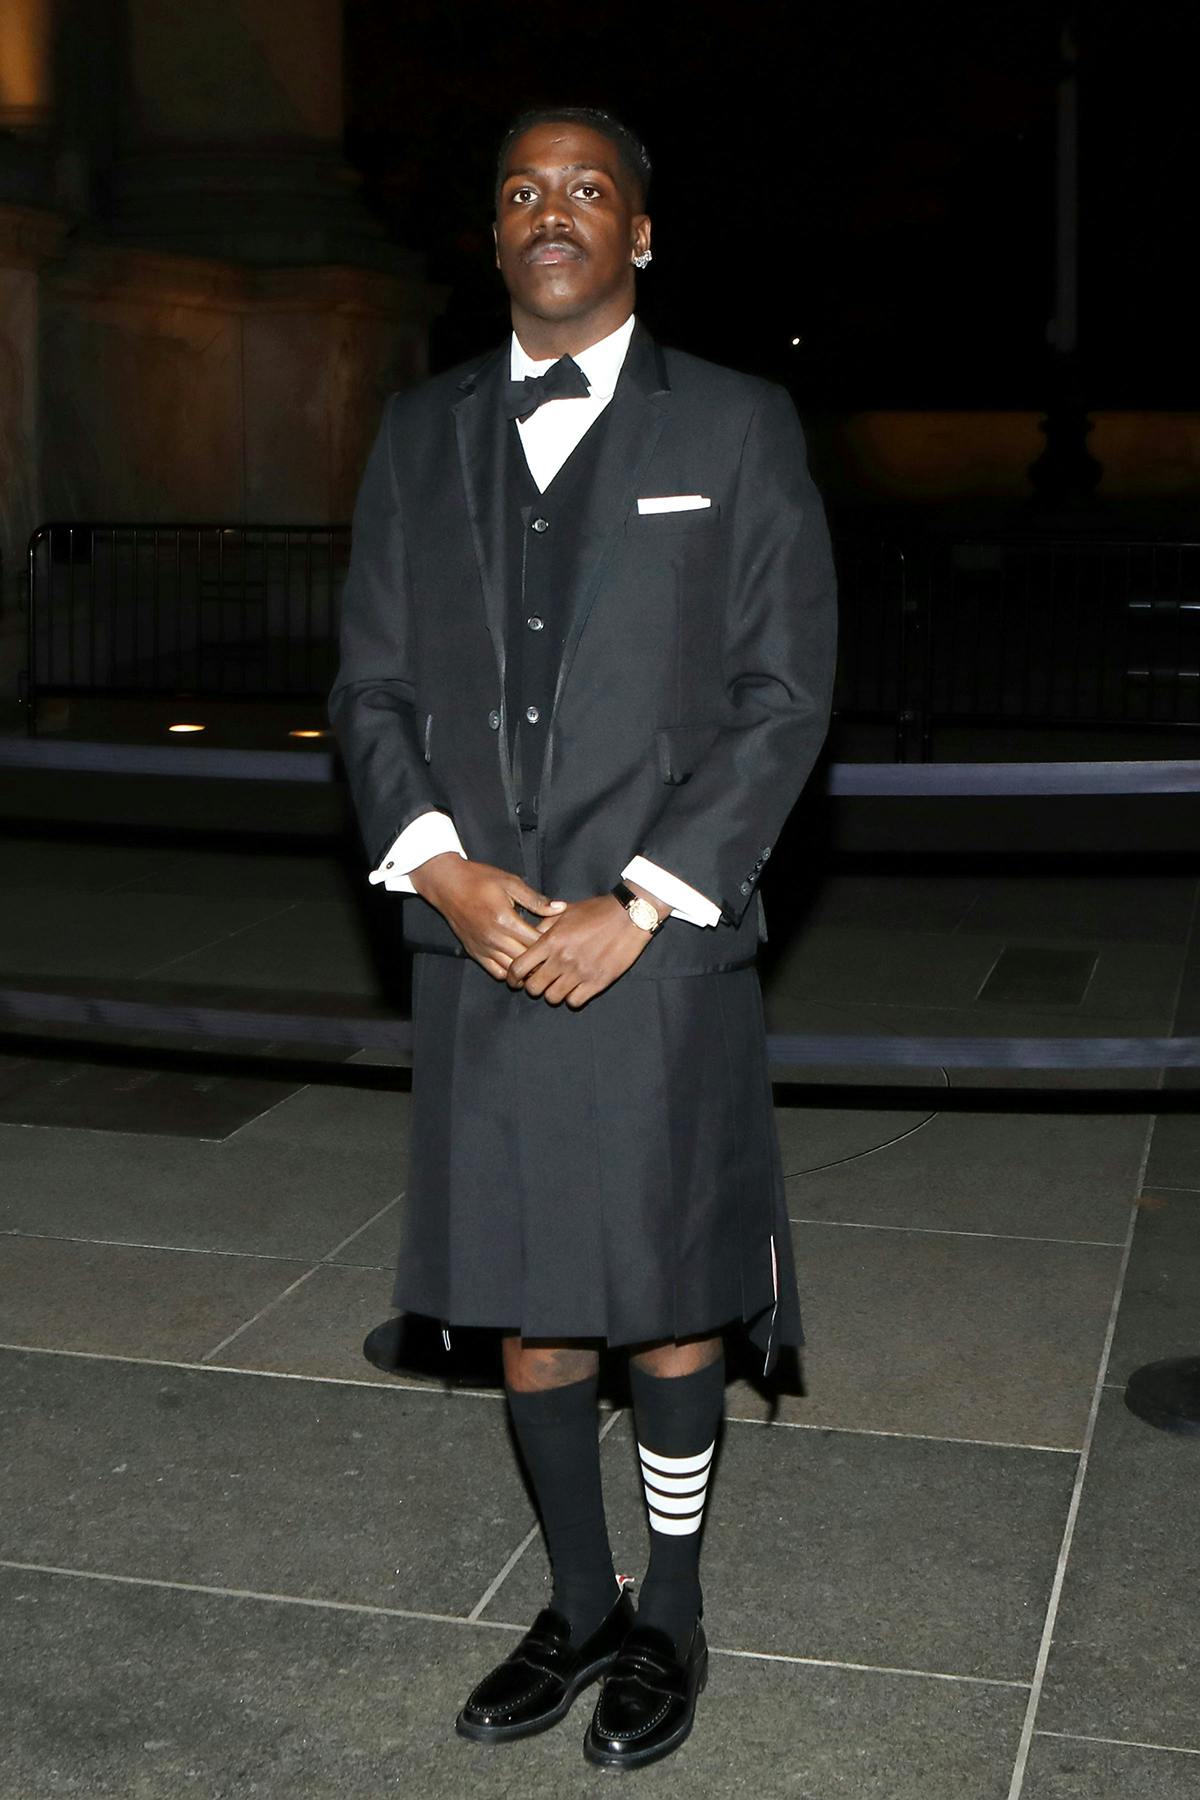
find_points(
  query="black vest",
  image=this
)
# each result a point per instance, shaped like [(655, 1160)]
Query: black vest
[(543, 542)]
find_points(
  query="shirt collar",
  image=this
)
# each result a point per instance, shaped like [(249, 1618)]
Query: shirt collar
[(601, 362)]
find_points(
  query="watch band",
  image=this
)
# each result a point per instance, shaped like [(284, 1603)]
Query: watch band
[(644, 914)]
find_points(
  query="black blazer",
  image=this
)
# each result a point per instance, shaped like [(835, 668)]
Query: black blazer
[(694, 689)]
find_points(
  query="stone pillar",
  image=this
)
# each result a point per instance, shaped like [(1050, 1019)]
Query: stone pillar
[(26, 65), (231, 136), (214, 336), (219, 342), (28, 236), (29, 233)]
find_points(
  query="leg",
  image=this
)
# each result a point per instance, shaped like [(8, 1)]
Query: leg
[(648, 1703), (552, 1401), (678, 1398)]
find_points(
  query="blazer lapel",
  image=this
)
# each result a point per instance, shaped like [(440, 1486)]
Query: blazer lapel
[(481, 425), (637, 413)]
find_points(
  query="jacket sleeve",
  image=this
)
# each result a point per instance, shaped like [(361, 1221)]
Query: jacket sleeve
[(717, 828), (373, 702)]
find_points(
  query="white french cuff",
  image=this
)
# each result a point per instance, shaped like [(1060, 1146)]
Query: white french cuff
[(684, 901), (432, 834)]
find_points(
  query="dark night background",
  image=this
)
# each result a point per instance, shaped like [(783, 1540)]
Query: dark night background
[(878, 181)]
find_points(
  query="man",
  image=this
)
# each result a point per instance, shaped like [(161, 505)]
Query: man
[(587, 654)]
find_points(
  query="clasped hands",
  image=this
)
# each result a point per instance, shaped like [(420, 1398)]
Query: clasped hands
[(576, 949)]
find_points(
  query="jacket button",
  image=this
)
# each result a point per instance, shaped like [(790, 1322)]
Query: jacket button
[(532, 714), (540, 525), (745, 888), (494, 720), (534, 623)]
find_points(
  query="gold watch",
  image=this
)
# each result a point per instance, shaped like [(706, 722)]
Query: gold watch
[(646, 917)]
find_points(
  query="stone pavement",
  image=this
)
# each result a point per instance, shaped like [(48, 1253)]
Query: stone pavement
[(236, 1559)]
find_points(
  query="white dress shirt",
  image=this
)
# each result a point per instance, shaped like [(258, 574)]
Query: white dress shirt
[(548, 437)]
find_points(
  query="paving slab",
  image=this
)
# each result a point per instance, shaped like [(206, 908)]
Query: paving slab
[(815, 1137), (277, 870), (61, 864), (376, 1246), (1072, 1769), (113, 1299), (40, 1090), (1085, 908), (990, 1339), (1134, 981), (330, 1491), (840, 965), (126, 933), (934, 902), (1174, 1160), (148, 1695), (892, 1552), (319, 1329), (260, 1197), (1160, 1301), (319, 944), (1039, 975), (1051, 1175), (1125, 1662), (332, 1116)]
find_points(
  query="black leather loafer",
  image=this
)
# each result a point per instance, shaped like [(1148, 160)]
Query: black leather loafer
[(648, 1702), (534, 1687)]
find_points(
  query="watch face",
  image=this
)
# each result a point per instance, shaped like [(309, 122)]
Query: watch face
[(643, 914)]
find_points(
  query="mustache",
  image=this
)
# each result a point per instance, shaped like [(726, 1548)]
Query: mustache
[(566, 247)]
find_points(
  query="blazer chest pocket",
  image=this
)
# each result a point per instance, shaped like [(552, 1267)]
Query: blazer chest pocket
[(681, 748), (651, 526)]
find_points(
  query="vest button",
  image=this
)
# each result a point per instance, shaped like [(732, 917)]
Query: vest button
[(494, 720), (540, 525), (532, 714), (534, 623)]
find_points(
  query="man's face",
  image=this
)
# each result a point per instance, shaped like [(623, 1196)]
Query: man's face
[(568, 225)]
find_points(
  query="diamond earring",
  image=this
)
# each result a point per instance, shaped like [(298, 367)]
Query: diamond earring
[(639, 262)]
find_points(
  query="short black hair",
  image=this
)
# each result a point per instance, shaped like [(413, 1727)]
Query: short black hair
[(635, 158)]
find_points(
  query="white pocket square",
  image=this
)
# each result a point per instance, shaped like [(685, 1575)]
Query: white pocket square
[(660, 503)]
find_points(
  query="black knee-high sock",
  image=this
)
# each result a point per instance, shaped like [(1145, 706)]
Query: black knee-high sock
[(677, 1419), (557, 1429)]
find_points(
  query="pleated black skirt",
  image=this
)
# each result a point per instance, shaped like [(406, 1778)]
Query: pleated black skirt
[(611, 1173)]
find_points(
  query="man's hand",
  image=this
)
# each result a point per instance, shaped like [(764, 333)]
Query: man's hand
[(479, 904), (580, 952)]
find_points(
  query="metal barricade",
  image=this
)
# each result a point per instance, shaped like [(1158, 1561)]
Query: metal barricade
[(1010, 631), (217, 610), (936, 629)]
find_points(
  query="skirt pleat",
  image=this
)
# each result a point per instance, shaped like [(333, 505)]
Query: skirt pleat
[(611, 1173)]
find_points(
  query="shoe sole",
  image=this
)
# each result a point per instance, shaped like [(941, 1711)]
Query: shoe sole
[(637, 1759), (507, 1734)]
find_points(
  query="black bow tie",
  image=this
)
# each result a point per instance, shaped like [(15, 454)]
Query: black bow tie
[(564, 380)]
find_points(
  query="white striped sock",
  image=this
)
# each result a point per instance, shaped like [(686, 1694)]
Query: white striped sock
[(676, 1487)]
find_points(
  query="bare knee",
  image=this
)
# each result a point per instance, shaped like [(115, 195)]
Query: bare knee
[(530, 1368), (683, 1358)]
